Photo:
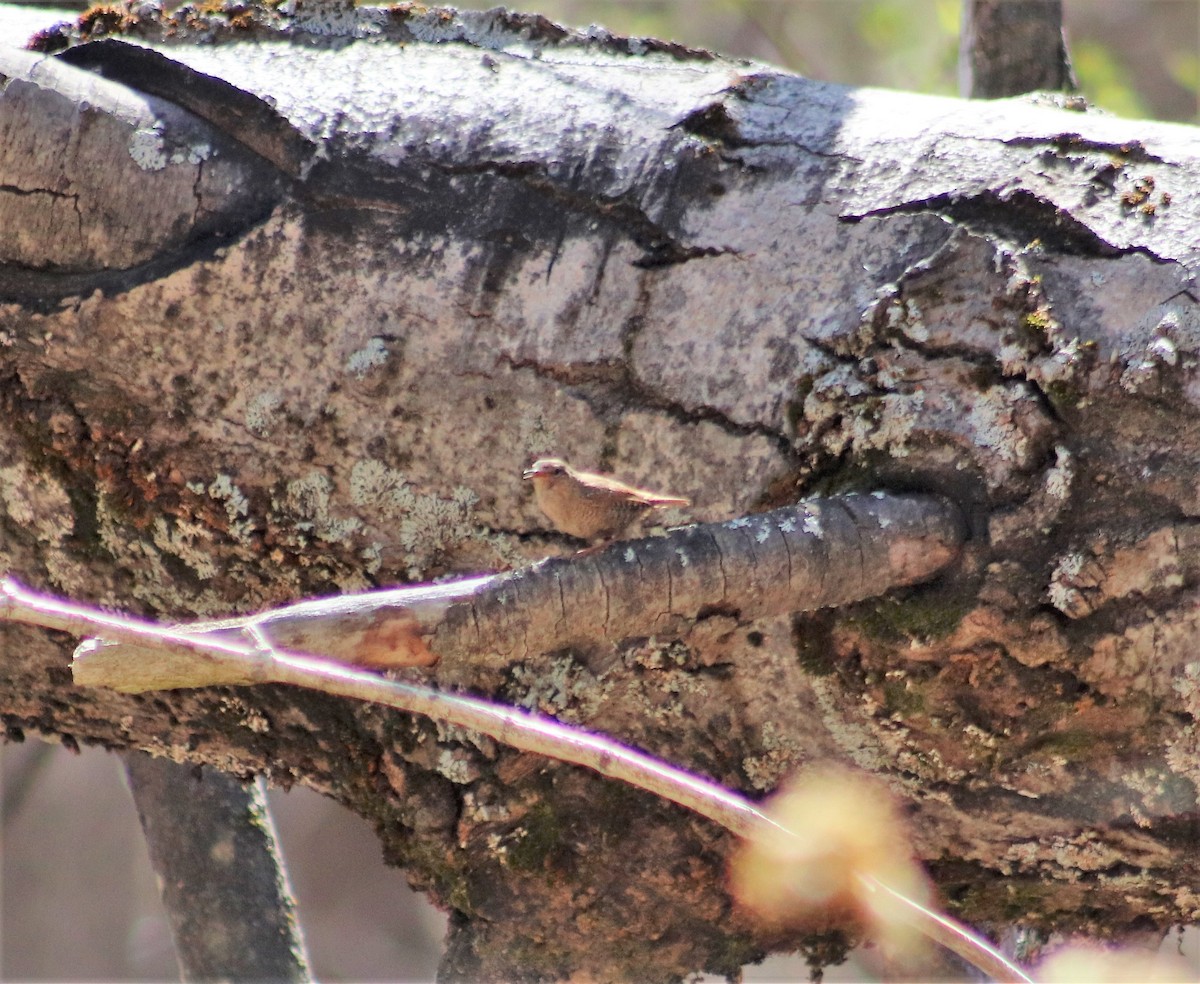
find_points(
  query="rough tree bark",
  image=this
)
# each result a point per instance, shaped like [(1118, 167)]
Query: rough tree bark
[(290, 297)]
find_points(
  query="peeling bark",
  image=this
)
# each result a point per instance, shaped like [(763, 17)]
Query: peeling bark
[(293, 324)]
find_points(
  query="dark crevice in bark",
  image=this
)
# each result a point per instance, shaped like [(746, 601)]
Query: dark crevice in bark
[(236, 113), (1131, 152), (44, 291), (1019, 217), (633, 393)]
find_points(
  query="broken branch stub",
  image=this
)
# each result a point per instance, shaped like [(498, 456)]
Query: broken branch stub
[(815, 554)]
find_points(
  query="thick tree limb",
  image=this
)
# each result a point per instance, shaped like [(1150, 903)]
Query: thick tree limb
[(818, 554), (510, 240)]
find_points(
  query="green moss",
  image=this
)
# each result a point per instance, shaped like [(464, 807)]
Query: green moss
[(1072, 744), (541, 840), (450, 880), (926, 616), (1034, 328), (1012, 900), (814, 648), (859, 474), (538, 960), (458, 895), (1063, 395), (898, 698)]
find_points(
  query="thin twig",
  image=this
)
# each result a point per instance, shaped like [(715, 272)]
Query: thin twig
[(259, 663)]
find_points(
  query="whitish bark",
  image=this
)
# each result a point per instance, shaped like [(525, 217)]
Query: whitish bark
[(302, 338)]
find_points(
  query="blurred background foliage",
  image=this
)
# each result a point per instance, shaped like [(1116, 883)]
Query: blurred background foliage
[(1138, 58)]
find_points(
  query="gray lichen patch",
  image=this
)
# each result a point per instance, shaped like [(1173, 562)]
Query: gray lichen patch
[(37, 502), (427, 527), (1150, 655), (237, 507), (781, 754), (907, 407), (373, 354), (662, 686), (1135, 310), (307, 500), (264, 412), (152, 561), (188, 541), (1026, 525), (563, 688), (1183, 756)]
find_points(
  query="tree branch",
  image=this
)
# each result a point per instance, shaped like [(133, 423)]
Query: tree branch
[(223, 883), (522, 730), (1009, 47), (817, 554)]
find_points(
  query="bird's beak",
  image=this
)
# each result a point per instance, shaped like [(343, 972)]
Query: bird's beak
[(529, 473)]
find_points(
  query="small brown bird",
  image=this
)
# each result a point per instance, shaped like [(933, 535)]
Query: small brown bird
[(589, 506)]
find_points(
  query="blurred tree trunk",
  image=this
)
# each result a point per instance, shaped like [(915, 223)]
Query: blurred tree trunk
[(213, 849), (286, 314), (1009, 47)]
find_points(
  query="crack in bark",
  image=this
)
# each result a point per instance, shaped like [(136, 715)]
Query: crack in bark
[(854, 541), (787, 548), (721, 567), (660, 248), (197, 194), (619, 375), (1020, 216), (670, 591), (562, 604), (1133, 151), (607, 598), (12, 189)]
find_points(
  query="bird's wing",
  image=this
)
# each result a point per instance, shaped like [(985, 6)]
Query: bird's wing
[(664, 500), (602, 483)]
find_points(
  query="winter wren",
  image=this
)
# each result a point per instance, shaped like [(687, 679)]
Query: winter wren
[(589, 506)]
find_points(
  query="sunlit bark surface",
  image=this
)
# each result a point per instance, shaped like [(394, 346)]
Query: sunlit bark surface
[(287, 301)]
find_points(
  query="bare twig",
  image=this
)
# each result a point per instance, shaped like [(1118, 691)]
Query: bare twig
[(255, 662)]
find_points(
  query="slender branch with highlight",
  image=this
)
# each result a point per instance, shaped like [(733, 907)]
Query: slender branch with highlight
[(251, 659)]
